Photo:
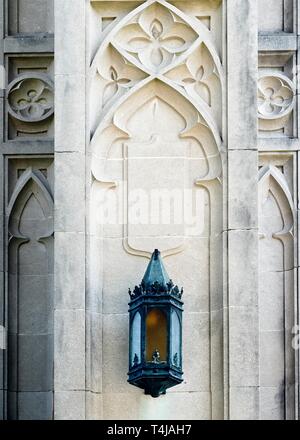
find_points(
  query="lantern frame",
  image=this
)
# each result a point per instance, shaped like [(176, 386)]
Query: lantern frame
[(156, 292)]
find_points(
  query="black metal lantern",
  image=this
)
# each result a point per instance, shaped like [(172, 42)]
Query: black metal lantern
[(155, 333)]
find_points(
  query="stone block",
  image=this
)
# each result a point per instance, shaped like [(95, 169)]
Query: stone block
[(121, 406), (35, 362), (242, 263), (35, 406), (69, 405), (70, 114), (196, 354), (30, 361), (190, 269), (69, 198), (2, 297), (1, 404), (271, 312), (271, 256), (70, 29), (2, 364), (242, 76), (272, 363), (243, 347), (217, 404), (116, 282), (35, 304), (115, 354), (94, 406), (272, 403), (69, 353), (69, 280), (218, 282), (242, 190), (94, 269), (217, 355), (94, 352), (279, 17), (172, 406), (30, 17), (244, 403)]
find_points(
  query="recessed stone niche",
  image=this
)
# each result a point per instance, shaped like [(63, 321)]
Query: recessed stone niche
[(275, 16), (30, 16), (156, 94)]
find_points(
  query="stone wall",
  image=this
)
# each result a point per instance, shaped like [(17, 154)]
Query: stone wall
[(192, 104), (27, 175)]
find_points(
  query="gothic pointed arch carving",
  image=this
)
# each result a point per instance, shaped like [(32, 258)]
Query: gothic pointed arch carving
[(184, 120), (151, 15), (276, 290), (196, 71), (271, 180), (30, 292), (115, 125), (156, 88), (31, 184), (157, 54)]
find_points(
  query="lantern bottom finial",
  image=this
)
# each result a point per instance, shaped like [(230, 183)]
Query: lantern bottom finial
[(155, 383)]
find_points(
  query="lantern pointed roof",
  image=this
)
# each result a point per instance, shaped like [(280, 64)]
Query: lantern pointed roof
[(156, 272)]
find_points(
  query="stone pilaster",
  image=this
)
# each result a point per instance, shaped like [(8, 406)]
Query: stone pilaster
[(242, 301), (70, 210)]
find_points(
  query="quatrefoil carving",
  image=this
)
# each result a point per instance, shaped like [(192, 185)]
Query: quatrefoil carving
[(30, 98), (156, 37), (276, 100)]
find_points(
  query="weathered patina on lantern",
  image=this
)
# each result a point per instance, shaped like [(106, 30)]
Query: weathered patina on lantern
[(155, 341)]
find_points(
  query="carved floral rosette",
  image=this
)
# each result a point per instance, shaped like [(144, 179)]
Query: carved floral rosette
[(30, 98), (276, 101)]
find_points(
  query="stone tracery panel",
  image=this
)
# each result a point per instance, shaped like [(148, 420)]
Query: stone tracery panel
[(156, 90), (200, 124), (276, 294)]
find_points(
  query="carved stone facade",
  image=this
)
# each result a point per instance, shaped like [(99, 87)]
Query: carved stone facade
[(27, 222), (151, 99)]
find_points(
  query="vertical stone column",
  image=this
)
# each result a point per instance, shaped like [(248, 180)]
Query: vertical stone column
[(2, 265), (297, 302), (243, 374), (70, 137)]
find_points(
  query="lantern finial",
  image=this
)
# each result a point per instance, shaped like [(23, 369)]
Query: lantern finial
[(156, 272)]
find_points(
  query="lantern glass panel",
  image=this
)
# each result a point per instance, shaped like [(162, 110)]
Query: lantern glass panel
[(176, 339), (156, 336), (136, 339)]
